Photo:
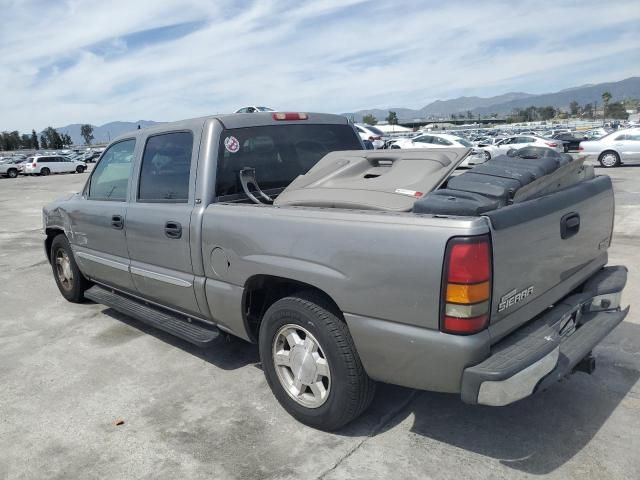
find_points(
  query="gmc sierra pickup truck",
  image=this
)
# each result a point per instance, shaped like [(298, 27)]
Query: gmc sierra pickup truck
[(277, 228)]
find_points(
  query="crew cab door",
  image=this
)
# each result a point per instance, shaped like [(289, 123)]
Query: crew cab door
[(159, 221), (98, 219)]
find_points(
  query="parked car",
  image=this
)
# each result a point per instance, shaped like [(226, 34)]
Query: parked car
[(596, 133), (443, 140), (87, 157), (520, 141), (570, 141), (48, 164), (491, 306), (374, 135), (254, 109), (10, 167), (621, 146)]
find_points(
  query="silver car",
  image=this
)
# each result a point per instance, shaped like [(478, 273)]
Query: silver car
[(614, 149)]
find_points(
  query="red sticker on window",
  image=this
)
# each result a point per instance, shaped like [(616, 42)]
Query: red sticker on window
[(231, 144)]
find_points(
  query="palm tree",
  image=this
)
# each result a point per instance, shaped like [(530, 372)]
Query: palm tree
[(606, 97)]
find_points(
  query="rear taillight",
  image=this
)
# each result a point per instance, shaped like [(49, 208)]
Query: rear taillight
[(466, 289), (34, 165), (372, 138), (549, 144), (289, 116), (581, 148)]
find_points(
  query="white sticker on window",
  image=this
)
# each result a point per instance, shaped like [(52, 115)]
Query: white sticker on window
[(231, 144)]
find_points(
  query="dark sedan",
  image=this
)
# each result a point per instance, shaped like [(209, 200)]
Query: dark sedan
[(569, 140)]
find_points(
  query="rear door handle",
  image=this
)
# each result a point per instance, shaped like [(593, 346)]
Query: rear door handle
[(117, 222), (173, 229), (569, 225)]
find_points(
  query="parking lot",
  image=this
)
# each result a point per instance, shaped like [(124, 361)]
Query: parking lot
[(88, 393)]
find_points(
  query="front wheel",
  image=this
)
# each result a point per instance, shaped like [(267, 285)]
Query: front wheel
[(70, 281), (609, 159), (79, 169), (311, 363), (12, 173), (487, 156)]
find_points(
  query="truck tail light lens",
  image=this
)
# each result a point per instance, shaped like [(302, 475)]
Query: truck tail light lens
[(289, 116), (466, 289)]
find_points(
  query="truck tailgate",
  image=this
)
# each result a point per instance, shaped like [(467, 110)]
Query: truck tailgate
[(545, 247)]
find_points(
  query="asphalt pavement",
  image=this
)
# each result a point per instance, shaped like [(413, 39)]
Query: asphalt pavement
[(88, 393)]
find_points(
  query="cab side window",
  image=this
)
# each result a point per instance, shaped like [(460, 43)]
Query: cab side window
[(166, 166), (110, 178)]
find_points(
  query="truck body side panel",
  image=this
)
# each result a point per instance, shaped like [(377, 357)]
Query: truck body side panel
[(357, 258)]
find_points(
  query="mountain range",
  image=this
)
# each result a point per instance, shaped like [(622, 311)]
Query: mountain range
[(506, 103), (500, 104), (104, 133)]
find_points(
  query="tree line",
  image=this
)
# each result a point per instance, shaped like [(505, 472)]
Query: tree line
[(50, 138), (616, 110)]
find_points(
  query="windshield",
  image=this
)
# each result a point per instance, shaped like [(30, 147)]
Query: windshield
[(463, 142), (279, 153), (375, 130)]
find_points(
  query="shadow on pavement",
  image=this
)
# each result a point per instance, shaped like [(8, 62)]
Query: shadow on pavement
[(536, 435), (226, 352)]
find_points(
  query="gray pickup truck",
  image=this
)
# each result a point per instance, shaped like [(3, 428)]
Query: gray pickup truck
[(180, 227)]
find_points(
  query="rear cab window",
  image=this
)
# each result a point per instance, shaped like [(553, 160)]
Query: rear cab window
[(278, 153)]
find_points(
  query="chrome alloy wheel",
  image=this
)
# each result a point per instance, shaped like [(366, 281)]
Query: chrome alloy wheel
[(609, 159), (63, 269), (301, 366)]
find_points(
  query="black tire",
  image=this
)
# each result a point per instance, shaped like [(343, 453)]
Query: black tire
[(12, 173), (487, 155), (80, 169), (606, 157), (45, 171), (351, 390), (72, 290)]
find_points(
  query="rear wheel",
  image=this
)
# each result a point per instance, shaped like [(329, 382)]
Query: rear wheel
[(609, 159), (12, 173), (70, 281), (45, 171), (311, 363), (487, 156)]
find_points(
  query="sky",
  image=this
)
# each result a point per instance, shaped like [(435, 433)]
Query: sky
[(78, 61)]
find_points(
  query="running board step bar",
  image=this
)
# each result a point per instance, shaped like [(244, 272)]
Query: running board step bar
[(192, 331)]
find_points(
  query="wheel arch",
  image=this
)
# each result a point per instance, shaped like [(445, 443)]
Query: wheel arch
[(261, 291), (609, 150), (51, 232)]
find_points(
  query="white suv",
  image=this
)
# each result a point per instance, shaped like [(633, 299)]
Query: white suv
[(47, 164)]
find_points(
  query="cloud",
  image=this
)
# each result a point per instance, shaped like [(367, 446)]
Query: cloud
[(80, 61)]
